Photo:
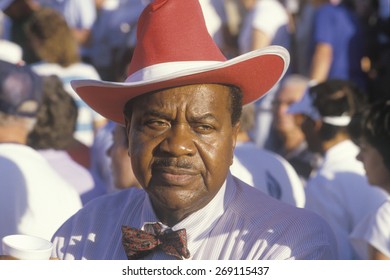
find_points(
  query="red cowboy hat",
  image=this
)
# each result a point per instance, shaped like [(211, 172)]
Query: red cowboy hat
[(173, 49)]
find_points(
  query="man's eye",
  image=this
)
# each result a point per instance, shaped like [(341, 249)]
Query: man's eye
[(157, 124), (204, 128)]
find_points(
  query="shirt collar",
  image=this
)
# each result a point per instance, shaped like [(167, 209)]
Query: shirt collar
[(199, 224), (341, 149)]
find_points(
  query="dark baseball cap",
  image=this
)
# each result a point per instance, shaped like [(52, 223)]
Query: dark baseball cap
[(20, 90)]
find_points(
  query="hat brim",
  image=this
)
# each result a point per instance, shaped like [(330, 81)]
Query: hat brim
[(304, 106), (255, 73)]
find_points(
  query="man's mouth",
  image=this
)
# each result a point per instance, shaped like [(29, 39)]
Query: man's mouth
[(174, 176)]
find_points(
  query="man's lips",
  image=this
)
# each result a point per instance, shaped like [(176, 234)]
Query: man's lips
[(174, 176)]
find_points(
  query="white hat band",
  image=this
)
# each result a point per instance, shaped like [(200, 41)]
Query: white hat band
[(167, 69), (337, 120)]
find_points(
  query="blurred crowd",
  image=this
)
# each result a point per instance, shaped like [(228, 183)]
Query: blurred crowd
[(304, 143)]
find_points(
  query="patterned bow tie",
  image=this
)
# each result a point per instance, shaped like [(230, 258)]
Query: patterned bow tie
[(138, 243)]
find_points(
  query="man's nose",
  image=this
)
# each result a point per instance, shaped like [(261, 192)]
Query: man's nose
[(179, 141)]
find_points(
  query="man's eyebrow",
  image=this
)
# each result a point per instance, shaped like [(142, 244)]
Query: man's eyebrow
[(203, 117), (194, 118), (158, 114)]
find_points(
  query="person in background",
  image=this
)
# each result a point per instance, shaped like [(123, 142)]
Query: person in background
[(17, 14), (264, 169), (338, 190), (80, 17), (231, 13), (336, 56), (34, 198), (265, 23), (374, 229), (121, 169), (287, 138), (57, 49), (53, 137), (113, 36), (181, 106), (301, 15)]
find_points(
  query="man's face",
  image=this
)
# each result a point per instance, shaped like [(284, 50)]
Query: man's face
[(181, 143), (283, 121)]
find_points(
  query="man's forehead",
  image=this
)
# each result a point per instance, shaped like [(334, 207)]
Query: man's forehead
[(194, 100), (293, 93), (197, 92)]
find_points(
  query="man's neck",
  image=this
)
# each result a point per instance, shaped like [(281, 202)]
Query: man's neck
[(14, 135)]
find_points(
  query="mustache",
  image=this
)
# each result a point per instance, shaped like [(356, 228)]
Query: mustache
[(173, 163)]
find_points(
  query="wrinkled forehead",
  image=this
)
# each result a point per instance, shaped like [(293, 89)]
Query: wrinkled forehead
[(202, 97)]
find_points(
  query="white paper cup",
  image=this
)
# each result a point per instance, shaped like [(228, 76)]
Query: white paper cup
[(26, 247)]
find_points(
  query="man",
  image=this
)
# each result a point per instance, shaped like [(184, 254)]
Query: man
[(181, 106), (34, 199), (339, 190), (287, 138)]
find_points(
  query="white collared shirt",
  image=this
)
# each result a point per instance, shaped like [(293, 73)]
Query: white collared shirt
[(340, 193), (239, 223), (374, 229)]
